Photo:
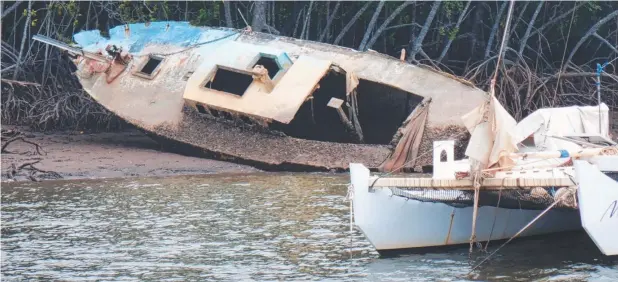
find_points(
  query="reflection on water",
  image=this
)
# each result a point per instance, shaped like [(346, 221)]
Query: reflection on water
[(239, 227)]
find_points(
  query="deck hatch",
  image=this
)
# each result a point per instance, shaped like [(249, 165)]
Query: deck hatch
[(150, 67), (229, 80)]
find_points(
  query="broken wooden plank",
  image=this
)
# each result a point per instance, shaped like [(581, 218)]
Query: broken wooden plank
[(337, 104)]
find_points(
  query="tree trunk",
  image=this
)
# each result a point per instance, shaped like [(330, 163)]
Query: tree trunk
[(329, 22), (259, 16), (494, 30), (370, 27), (351, 23), (524, 40), (476, 28), (307, 17), (418, 42), (462, 16), (228, 14), (23, 41), (519, 17), (386, 22)]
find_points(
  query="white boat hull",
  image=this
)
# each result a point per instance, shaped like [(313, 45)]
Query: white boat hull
[(392, 222), (598, 203)]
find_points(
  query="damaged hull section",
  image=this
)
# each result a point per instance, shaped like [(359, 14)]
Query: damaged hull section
[(272, 102)]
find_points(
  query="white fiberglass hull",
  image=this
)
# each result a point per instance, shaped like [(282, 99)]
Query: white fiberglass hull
[(598, 203), (392, 222)]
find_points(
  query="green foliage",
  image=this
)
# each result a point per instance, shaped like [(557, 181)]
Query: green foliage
[(208, 15), (202, 18), (452, 7), (592, 6), (33, 19), (450, 32), (453, 33)]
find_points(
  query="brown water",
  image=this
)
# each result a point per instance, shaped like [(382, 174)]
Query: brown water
[(237, 228)]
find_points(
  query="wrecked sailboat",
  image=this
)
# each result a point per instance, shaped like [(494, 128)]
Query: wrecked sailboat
[(269, 101), (554, 171)]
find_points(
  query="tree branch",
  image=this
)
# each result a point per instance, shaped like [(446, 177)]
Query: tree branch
[(494, 30), (403, 25), (351, 23), (371, 25), (307, 17), (590, 32), (386, 22), (522, 44), (462, 16), (329, 22), (606, 42), (556, 19), (10, 9), (421, 36)]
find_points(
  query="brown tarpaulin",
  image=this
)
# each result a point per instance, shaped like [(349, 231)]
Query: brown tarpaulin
[(405, 154)]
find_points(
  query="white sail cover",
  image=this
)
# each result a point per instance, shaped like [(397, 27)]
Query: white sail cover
[(496, 134), (560, 122)]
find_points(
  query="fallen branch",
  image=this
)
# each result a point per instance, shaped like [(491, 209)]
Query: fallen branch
[(33, 171), (21, 83), (37, 146)]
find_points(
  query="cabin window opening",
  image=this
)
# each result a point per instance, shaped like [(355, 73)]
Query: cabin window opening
[(381, 111), (230, 81), (151, 65), (246, 119), (443, 157), (201, 109), (226, 115), (215, 113), (320, 122), (269, 64)]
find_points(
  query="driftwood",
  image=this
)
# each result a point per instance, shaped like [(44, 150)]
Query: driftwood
[(10, 136), (39, 150), (33, 173)]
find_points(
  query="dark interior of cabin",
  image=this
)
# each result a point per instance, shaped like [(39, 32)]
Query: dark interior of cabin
[(151, 65), (381, 111), (269, 64), (230, 81)]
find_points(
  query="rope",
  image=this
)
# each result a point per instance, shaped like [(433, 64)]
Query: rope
[(495, 217), (524, 228), (477, 173), (191, 47)]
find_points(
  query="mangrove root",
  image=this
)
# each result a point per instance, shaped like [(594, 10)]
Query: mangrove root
[(32, 171)]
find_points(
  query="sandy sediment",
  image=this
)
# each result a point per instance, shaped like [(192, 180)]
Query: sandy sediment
[(78, 155)]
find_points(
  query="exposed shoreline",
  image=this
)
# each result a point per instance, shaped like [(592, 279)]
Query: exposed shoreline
[(81, 155)]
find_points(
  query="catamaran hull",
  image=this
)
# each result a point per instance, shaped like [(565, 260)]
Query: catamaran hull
[(392, 223), (598, 202)]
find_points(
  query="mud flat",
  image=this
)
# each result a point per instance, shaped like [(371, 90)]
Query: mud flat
[(80, 155)]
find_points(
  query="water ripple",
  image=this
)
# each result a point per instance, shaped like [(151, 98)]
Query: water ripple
[(239, 228)]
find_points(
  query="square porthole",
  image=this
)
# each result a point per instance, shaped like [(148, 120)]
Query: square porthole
[(229, 81), (149, 68)]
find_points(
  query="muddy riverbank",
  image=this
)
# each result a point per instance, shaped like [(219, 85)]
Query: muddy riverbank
[(83, 155)]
